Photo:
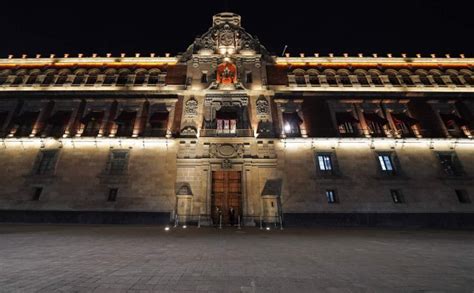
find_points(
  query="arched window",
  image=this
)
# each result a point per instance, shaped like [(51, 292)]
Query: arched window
[(393, 77), (33, 77), (468, 78), (313, 77), (344, 77), (406, 77), (19, 77), (454, 77), (140, 76), (62, 76), (49, 77), (80, 76), (110, 76), (375, 77), (123, 77), (362, 77), (299, 77), (154, 77), (437, 77), (330, 77), (4, 76), (423, 75), (92, 77)]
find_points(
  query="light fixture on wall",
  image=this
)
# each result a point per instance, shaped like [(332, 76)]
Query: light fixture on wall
[(287, 128)]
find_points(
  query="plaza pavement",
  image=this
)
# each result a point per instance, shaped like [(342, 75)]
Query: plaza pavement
[(74, 258)]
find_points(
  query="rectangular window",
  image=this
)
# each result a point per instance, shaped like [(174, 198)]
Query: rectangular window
[(37, 193), (118, 162), (325, 163), (204, 78), (331, 196), (462, 195), (449, 163), (47, 161), (397, 196), (112, 196), (248, 77), (386, 163)]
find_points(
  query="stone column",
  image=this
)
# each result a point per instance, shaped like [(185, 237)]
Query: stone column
[(280, 109), (169, 127), (74, 117), (138, 120)]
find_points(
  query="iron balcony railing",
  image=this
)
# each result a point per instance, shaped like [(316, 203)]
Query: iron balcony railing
[(227, 133)]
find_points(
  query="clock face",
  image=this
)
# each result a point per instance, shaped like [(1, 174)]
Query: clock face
[(227, 38)]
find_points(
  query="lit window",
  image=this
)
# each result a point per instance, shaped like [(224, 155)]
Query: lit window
[(386, 163), (325, 163), (331, 196), (397, 196)]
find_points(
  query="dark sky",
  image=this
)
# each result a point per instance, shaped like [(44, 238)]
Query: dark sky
[(100, 26)]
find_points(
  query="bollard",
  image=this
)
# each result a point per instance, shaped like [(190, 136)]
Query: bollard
[(281, 223), (238, 223), (220, 221), (276, 220), (199, 221), (261, 223)]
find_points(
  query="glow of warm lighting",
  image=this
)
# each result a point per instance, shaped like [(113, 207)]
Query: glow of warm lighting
[(184, 226), (167, 228), (268, 228), (287, 128)]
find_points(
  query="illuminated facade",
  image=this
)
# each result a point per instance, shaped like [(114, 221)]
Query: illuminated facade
[(226, 131)]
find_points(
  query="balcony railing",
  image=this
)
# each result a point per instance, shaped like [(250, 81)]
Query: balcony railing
[(227, 133)]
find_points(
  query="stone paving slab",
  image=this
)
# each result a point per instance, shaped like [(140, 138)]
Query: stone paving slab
[(73, 258)]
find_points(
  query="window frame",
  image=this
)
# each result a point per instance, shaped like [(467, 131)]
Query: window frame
[(455, 164), (111, 169), (382, 166), (333, 199), (334, 166), (42, 168)]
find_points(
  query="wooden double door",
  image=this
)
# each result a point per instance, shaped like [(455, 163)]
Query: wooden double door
[(226, 197)]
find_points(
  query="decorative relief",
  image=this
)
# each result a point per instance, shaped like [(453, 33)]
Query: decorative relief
[(226, 150), (226, 164), (263, 107), (190, 108)]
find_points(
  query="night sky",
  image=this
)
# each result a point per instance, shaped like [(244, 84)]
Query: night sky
[(416, 26)]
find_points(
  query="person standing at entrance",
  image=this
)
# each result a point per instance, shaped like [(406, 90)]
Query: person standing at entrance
[(231, 216)]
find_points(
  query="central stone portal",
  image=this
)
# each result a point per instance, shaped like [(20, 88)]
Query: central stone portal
[(226, 197)]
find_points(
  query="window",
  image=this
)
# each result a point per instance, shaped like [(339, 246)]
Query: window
[(403, 123), (375, 123), (397, 196), (386, 164), (331, 196), (248, 77), (450, 164), (112, 196), (125, 123), (204, 77), (37, 191), (118, 162), (462, 196), (291, 124), (326, 164), (347, 124), (46, 163)]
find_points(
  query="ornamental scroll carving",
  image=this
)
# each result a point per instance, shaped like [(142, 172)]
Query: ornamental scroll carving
[(190, 108), (263, 107), (226, 150)]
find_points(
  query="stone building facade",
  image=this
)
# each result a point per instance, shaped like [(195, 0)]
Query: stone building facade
[(228, 132)]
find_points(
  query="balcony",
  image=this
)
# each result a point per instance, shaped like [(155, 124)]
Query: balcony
[(226, 133)]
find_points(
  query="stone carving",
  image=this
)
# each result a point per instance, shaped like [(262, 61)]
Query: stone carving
[(226, 164), (191, 106), (262, 106), (226, 150), (184, 189)]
